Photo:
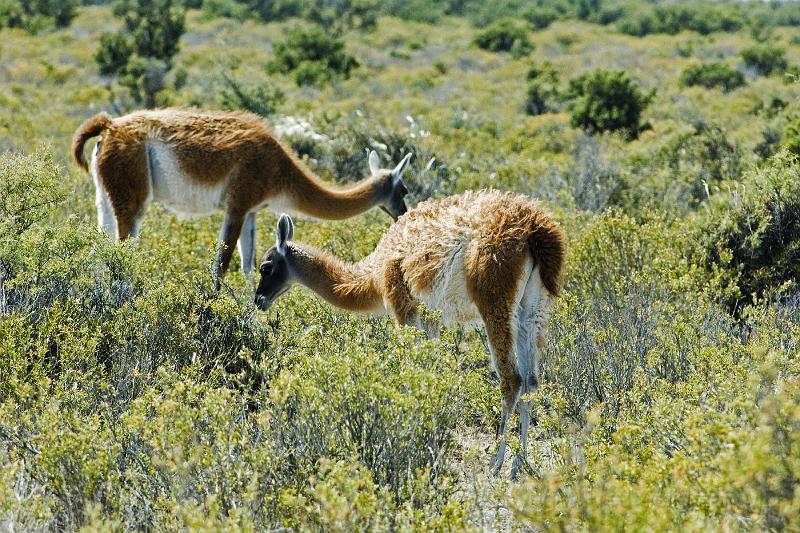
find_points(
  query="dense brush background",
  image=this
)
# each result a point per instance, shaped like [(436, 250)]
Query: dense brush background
[(133, 396)]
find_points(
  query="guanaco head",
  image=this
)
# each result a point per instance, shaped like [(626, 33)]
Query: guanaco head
[(393, 189), (275, 269)]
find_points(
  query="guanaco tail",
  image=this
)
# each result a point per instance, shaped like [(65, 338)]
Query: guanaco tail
[(485, 258), (196, 163)]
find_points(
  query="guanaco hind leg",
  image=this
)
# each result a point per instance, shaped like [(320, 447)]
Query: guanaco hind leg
[(105, 215), (528, 325), (501, 344), (124, 175), (247, 244), (228, 235)]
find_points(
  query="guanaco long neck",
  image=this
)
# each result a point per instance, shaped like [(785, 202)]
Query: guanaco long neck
[(348, 286), (313, 197)]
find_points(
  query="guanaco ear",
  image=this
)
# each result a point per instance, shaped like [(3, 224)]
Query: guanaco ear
[(285, 232), (401, 167), (374, 163)]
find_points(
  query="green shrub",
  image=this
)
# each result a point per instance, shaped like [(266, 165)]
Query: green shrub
[(114, 53), (332, 404), (35, 15), (542, 89), (791, 135), (179, 437), (629, 310), (11, 14), (765, 59), (597, 349), (227, 8), (620, 268), (653, 391), (771, 140), (594, 179), (141, 54), (418, 10), (337, 17), (676, 459), (312, 57), (587, 9), (540, 13), (751, 239), (342, 15), (712, 75), (605, 100), (674, 18), (505, 35), (265, 10), (539, 98), (31, 186), (540, 16), (692, 163), (153, 26), (260, 100), (639, 23), (269, 10)]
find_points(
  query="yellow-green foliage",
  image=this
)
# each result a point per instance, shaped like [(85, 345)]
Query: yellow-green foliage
[(750, 239), (134, 396), (718, 450)]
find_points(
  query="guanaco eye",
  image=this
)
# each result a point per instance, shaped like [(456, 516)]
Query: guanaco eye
[(266, 269)]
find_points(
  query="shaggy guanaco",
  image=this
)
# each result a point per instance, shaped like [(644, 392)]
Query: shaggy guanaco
[(196, 163), (481, 258)]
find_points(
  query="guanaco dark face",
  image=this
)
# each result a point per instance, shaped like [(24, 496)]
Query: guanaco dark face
[(275, 270), (395, 203)]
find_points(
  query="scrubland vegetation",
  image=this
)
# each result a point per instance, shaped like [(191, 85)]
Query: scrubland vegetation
[(664, 138)]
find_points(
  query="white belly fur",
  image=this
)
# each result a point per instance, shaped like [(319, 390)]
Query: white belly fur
[(449, 294), (179, 193), (280, 204)]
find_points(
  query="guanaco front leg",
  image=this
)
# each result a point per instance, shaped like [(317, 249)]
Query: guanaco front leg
[(403, 305)]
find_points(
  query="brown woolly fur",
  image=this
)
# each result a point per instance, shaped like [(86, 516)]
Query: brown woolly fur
[(204, 161), (480, 257), (91, 128), (501, 228)]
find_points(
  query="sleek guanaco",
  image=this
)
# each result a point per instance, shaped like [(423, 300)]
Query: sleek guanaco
[(483, 258), (197, 162)]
